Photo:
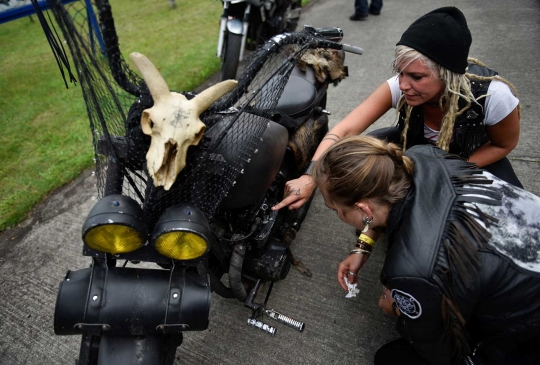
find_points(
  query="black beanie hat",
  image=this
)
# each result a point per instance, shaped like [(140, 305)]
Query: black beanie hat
[(443, 36)]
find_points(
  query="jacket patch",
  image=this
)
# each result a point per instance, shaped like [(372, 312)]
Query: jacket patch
[(407, 304)]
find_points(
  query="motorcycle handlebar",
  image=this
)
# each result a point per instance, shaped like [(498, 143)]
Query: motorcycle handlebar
[(333, 36), (352, 49), (339, 46)]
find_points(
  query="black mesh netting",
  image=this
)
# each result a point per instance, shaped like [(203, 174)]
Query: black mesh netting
[(116, 96)]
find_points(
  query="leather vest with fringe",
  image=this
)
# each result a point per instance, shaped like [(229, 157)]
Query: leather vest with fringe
[(439, 263), (469, 129)]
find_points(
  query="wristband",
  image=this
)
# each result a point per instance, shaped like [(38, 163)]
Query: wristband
[(366, 239)]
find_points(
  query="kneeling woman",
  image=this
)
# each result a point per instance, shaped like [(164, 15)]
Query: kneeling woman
[(463, 262)]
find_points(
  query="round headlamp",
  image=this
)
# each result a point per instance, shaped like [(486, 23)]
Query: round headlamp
[(182, 233), (115, 225)]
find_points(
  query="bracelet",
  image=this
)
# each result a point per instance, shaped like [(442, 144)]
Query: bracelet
[(332, 134), (309, 168), (366, 239), (359, 250), (364, 246), (329, 138)]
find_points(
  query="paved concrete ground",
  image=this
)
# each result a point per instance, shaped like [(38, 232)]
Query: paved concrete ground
[(35, 256)]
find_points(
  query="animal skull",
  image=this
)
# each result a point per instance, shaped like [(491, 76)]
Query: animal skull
[(173, 122)]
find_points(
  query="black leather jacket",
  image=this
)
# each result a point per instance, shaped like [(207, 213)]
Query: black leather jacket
[(463, 263)]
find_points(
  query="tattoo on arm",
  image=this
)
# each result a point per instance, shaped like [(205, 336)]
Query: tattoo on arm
[(332, 134)]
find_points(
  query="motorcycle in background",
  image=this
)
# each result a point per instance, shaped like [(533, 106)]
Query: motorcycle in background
[(216, 217), (246, 24)]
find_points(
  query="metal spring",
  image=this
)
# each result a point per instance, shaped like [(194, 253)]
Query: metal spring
[(285, 320)]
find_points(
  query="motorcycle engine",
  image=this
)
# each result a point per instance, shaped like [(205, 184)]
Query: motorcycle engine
[(261, 229)]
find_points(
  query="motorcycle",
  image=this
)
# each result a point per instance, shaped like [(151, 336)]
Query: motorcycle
[(215, 217), (246, 24)]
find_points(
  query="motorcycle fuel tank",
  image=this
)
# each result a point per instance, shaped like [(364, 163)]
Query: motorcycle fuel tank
[(264, 163)]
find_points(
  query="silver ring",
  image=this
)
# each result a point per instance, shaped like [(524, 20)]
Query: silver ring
[(351, 273)]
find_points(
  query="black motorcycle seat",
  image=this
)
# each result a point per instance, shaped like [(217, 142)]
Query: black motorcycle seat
[(299, 94)]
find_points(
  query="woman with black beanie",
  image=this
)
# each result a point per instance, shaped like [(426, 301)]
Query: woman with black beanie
[(441, 96)]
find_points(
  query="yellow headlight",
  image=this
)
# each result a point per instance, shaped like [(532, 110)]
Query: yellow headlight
[(113, 238), (180, 245)]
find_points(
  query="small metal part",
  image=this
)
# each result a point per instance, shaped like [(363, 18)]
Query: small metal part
[(95, 297), (262, 326), (172, 328), (293, 323), (175, 295), (260, 309), (299, 264), (93, 327), (324, 111), (302, 268)]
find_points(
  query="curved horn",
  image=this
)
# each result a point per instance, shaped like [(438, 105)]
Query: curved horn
[(208, 96), (156, 84)]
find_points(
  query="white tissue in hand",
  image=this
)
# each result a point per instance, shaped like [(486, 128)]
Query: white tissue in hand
[(352, 289)]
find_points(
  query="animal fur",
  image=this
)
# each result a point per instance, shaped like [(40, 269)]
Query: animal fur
[(303, 142), (326, 63)]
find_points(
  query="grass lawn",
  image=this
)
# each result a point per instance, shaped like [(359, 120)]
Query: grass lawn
[(46, 141)]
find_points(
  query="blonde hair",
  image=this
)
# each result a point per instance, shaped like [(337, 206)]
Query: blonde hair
[(363, 167), (457, 86)]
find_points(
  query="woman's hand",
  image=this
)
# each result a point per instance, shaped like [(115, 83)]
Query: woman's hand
[(297, 192), (387, 303), (352, 264)]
